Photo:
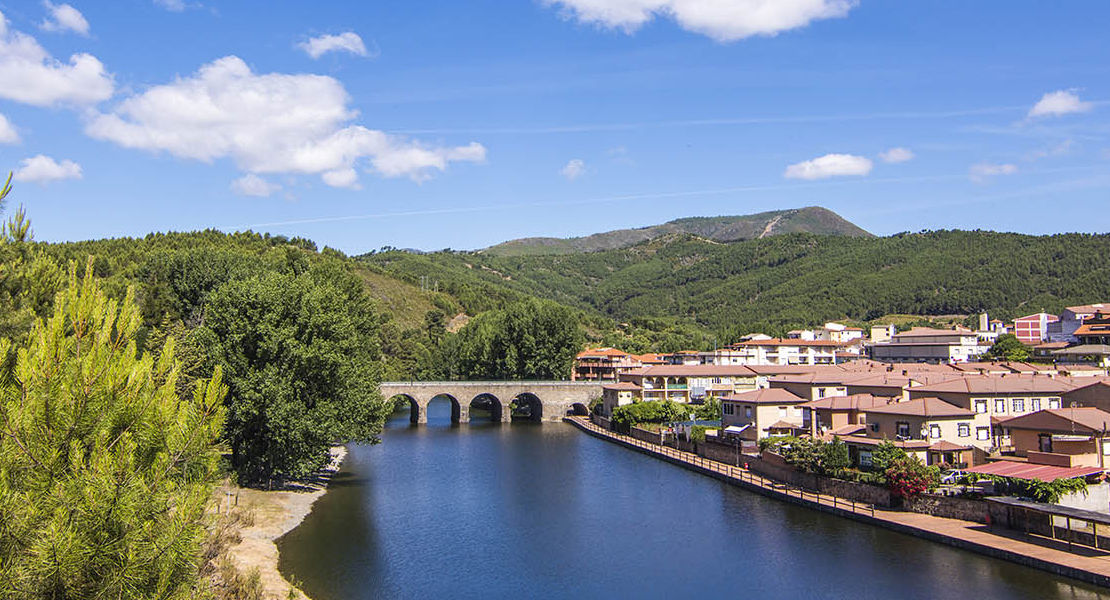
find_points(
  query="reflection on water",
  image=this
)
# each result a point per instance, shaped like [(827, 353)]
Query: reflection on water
[(543, 511)]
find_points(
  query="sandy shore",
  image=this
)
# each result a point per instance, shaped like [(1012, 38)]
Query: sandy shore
[(275, 513)]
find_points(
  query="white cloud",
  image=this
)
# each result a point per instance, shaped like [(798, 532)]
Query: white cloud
[(724, 21), (31, 76), (896, 155), (64, 17), (43, 169), (829, 165), (574, 169), (269, 123), (171, 5), (982, 172), (253, 185), (8, 134), (1061, 102), (344, 42), (1056, 149), (346, 178)]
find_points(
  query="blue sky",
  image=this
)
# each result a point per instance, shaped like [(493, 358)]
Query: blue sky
[(462, 124)]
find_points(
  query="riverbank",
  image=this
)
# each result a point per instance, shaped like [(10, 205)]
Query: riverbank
[(1090, 567), (273, 514)]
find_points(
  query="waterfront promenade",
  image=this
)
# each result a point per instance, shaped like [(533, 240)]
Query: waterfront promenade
[(1084, 564)]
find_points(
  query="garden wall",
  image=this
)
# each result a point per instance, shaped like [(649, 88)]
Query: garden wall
[(950, 507)]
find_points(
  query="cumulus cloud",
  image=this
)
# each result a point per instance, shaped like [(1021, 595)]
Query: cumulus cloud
[(896, 155), (984, 171), (268, 123), (63, 17), (829, 165), (574, 169), (43, 169), (253, 185), (724, 21), (8, 134), (1060, 102), (344, 42), (32, 76)]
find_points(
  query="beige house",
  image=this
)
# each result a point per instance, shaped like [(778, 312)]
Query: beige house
[(764, 412), (1001, 397), (929, 419), (1062, 437), (841, 415), (618, 394), (922, 344)]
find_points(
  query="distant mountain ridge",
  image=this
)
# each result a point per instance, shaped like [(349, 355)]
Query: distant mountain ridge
[(811, 219)]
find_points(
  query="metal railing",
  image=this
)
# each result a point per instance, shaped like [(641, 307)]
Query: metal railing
[(737, 473)]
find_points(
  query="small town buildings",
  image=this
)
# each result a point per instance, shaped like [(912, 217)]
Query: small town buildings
[(842, 415), (1062, 437), (929, 419), (602, 364), (998, 396), (882, 333), (690, 383), (923, 344), (1071, 319), (1033, 329), (777, 351), (764, 412)]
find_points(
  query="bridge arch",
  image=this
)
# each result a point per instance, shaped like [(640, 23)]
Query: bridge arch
[(497, 408), (529, 407), (579, 409)]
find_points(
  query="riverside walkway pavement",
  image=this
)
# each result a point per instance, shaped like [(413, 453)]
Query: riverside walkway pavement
[(1084, 564)]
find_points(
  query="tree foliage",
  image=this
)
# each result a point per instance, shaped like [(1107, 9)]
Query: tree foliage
[(105, 471), (653, 411), (1009, 347), (531, 339), (300, 357)]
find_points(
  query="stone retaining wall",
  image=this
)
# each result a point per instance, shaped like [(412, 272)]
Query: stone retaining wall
[(652, 437), (949, 507)]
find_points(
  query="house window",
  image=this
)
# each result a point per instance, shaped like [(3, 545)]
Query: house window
[(982, 433), (1035, 404), (1054, 403), (820, 392), (748, 411), (903, 429), (729, 410), (1044, 442), (782, 412), (981, 406), (1019, 405), (875, 427), (934, 431), (963, 430), (999, 405)]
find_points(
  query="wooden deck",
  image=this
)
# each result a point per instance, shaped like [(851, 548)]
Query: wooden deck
[(1084, 564)]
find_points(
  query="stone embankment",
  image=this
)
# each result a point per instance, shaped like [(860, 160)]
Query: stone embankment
[(1048, 555)]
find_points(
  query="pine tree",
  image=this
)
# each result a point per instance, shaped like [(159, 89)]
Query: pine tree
[(105, 472)]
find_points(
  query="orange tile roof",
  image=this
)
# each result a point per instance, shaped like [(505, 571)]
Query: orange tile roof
[(922, 407), (1005, 384), (610, 352), (1087, 419), (1020, 470), (765, 396)]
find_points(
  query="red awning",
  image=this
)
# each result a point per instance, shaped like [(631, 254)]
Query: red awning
[(1021, 470)]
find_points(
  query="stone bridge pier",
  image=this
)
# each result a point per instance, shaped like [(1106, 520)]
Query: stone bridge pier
[(546, 400)]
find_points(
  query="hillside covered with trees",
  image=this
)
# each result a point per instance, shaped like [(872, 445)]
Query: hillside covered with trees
[(788, 281)]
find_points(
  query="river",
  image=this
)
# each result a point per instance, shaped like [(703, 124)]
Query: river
[(529, 511)]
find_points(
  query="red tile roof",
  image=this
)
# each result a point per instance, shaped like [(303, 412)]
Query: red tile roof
[(1090, 309), (1021, 470), (624, 386), (765, 396), (922, 407), (1008, 384), (610, 352), (693, 371), (1085, 419), (853, 402), (947, 446)]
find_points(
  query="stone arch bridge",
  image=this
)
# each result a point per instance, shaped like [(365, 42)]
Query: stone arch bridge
[(545, 400)]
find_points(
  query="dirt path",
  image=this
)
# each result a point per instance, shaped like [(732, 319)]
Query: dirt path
[(275, 513), (770, 225)]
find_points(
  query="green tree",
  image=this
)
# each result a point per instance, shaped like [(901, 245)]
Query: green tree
[(532, 339), (1009, 347), (835, 457), (300, 354), (710, 410), (104, 471)]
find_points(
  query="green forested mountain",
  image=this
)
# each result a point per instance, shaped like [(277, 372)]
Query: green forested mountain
[(812, 219), (786, 281)]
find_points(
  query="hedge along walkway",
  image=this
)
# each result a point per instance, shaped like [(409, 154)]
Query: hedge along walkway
[(997, 542)]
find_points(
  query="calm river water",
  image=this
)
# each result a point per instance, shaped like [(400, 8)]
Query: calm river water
[(528, 511)]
